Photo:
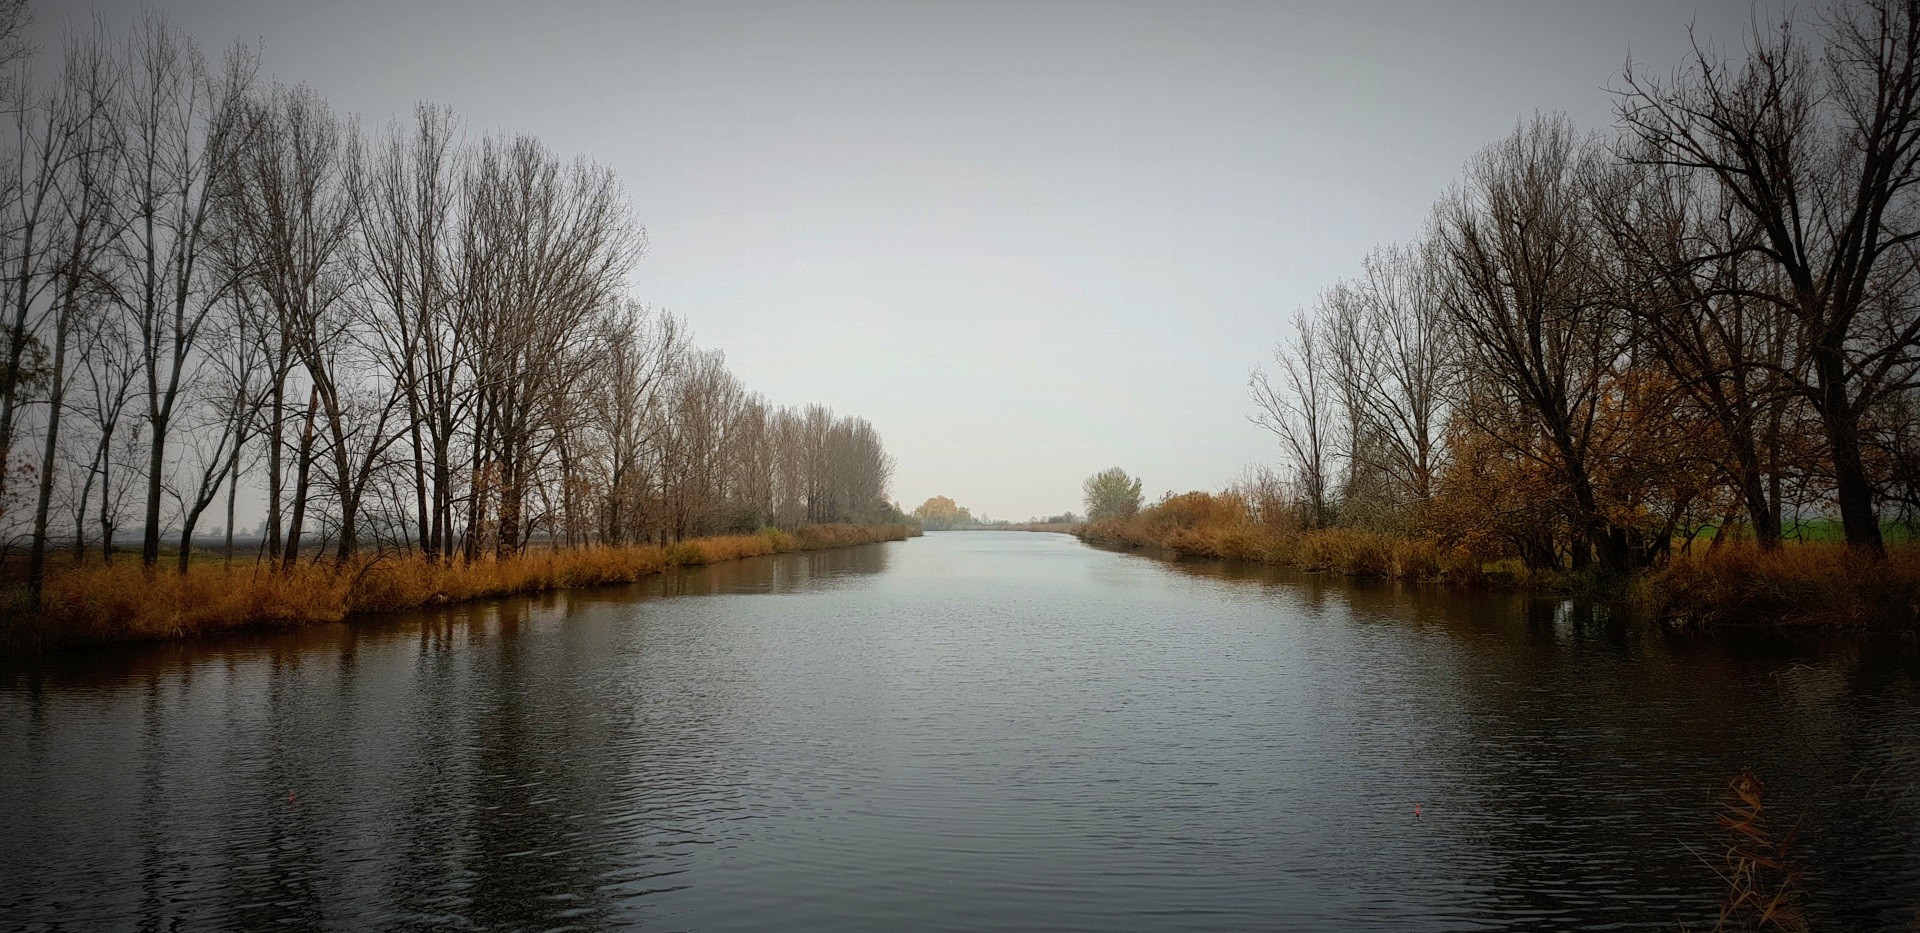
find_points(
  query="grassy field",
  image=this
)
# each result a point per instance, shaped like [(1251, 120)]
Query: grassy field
[(1825, 531), (98, 602)]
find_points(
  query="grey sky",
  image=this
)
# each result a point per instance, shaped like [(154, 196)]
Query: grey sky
[(1026, 241)]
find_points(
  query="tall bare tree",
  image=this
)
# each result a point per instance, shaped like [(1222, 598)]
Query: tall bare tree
[(405, 195), (1534, 320), (1300, 412), (80, 111), (181, 122), (1820, 153)]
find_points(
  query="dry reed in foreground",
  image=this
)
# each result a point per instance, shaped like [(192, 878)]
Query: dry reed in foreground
[(124, 602), (1763, 883)]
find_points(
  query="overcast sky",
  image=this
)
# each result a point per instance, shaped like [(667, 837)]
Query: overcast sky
[(1027, 241)]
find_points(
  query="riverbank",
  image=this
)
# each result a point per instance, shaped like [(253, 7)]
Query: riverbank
[(1800, 584), (99, 603)]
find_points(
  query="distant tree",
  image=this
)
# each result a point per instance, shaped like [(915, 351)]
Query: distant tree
[(936, 509), (940, 513), (1111, 493)]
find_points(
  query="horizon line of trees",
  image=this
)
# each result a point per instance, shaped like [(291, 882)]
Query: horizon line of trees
[(1708, 318), (401, 339), (941, 513)]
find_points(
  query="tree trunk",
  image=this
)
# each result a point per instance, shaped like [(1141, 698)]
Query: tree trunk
[(510, 504), (424, 515), (233, 492), (1753, 494), (302, 468), (156, 463), (1853, 488), (1855, 491), (37, 550), (106, 509), (275, 476), (186, 538)]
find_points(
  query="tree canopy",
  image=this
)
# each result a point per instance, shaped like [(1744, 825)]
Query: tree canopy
[(1111, 493)]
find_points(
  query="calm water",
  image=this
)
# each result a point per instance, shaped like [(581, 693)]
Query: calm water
[(966, 731)]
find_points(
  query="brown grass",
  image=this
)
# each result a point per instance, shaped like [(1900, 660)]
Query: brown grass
[(1218, 526), (1736, 583), (1796, 584), (123, 602)]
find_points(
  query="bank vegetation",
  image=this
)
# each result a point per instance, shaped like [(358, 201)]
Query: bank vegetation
[(121, 601), (1679, 359)]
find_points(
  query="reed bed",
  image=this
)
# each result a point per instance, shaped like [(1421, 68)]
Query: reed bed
[(1346, 551), (124, 602), (1819, 584), (1804, 584)]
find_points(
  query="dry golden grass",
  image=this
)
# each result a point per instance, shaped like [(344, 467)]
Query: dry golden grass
[(1796, 584), (1735, 583), (123, 602), (1207, 525)]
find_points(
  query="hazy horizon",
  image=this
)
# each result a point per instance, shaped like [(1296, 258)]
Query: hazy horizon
[(989, 230)]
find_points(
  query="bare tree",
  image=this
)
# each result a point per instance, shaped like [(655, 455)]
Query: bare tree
[(38, 155), (643, 355), (289, 212), (1534, 320), (180, 121), (1689, 277), (1300, 412), (178, 243), (79, 112), (406, 192), (110, 359), (544, 248), (1820, 155), (1402, 367)]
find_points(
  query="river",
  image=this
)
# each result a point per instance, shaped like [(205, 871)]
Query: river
[(967, 731)]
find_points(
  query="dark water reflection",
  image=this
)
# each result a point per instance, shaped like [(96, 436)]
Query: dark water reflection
[(966, 731)]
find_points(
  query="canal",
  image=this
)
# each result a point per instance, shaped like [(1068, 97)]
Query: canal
[(966, 731)]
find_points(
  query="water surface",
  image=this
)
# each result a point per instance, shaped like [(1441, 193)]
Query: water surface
[(966, 731)]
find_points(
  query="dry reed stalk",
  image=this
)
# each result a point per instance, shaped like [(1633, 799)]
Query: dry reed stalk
[(126, 602), (1763, 883)]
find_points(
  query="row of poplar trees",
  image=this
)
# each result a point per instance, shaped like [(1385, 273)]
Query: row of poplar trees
[(217, 291), (1707, 317)]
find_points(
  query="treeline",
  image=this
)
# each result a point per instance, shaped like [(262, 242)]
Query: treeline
[(940, 513), (1705, 321), (218, 290)]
